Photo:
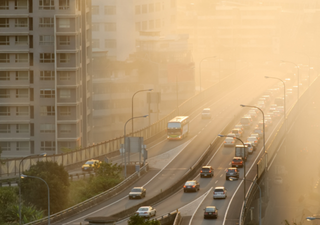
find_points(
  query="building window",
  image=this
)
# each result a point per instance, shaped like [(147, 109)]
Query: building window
[(47, 93), (21, 22), (138, 26), (151, 24), (64, 4), (46, 57), (64, 75), (151, 8), (110, 43), (65, 93), (4, 93), (46, 75), (46, 22), (47, 111), (48, 146), (22, 128), (22, 146), (47, 128), (138, 9), (95, 10), (95, 43), (5, 146), (22, 111), (22, 75), (4, 111), (110, 27), (21, 4), (65, 128), (64, 58), (21, 40), (21, 58), (144, 25), (110, 10), (46, 4), (46, 40), (4, 58), (22, 93), (158, 23), (64, 23), (158, 6), (64, 40), (4, 75), (4, 40), (65, 111), (4, 4), (144, 8), (4, 22), (95, 26), (5, 128)]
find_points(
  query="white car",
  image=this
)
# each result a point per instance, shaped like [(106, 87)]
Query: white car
[(219, 192), (146, 211), (250, 147), (229, 141), (253, 140)]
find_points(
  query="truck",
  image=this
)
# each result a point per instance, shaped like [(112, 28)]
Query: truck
[(241, 151)]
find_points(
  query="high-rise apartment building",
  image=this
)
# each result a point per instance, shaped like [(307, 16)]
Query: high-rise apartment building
[(45, 76)]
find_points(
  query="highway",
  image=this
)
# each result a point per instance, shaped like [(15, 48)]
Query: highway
[(185, 153)]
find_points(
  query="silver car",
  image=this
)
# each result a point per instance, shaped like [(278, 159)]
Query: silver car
[(253, 140), (137, 192), (229, 141), (146, 211), (219, 192)]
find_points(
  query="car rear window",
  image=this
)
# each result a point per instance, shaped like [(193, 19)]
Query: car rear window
[(190, 183), (218, 190), (210, 209), (245, 120), (205, 169), (237, 160)]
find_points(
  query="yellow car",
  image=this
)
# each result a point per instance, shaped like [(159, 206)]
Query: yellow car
[(90, 165)]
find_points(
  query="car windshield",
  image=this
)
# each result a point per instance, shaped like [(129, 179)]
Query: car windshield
[(211, 209), (190, 183), (144, 209), (90, 163), (136, 190)]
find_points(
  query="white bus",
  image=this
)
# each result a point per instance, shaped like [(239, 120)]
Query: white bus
[(178, 128)]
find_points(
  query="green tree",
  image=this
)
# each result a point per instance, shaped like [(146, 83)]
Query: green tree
[(35, 191), (9, 208), (138, 220)]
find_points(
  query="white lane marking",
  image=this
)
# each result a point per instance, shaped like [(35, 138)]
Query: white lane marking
[(221, 175), (185, 145), (206, 194), (217, 180)]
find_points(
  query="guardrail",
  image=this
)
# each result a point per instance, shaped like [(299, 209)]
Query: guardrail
[(94, 200), (277, 139), (10, 167)]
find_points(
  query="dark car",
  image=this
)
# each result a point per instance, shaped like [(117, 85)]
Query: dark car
[(237, 162), (232, 172), (206, 171), (210, 212), (191, 185), (137, 192)]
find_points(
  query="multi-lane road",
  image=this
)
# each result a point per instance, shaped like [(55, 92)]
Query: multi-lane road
[(184, 154)]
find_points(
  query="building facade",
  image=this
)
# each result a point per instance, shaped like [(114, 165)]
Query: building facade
[(45, 74)]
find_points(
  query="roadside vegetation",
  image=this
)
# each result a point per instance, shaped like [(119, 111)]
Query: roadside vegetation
[(63, 193)]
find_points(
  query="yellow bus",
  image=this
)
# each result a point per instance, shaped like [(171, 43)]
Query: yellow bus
[(178, 128)]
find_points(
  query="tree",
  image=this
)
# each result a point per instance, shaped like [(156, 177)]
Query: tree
[(138, 220), (35, 191)]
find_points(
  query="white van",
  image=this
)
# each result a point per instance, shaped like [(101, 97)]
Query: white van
[(206, 113)]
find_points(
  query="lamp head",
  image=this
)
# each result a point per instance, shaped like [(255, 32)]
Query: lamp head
[(221, 135), (151, 89), (43, 154), (145, 115), (243, 105), (266, 77), (309, 218), (23, 176)]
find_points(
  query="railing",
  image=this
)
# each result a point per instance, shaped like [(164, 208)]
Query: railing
[(10, 167), (94, 200)]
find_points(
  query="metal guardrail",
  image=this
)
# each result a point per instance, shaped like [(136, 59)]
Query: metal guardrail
[(94, 200)]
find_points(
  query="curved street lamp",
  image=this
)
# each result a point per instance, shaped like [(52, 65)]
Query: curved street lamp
[(124, 144), (132, 103), (42, 154), (244, 164), (264, 133), (24, 176), (253, 182)]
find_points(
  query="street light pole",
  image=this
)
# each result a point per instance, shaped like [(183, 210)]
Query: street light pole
[(42, 154), (264, 133), (211, 57), (24, 176), (132, 103), (124, 145), (285, 102), (298, 77), (244, 164), (260, 200)]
